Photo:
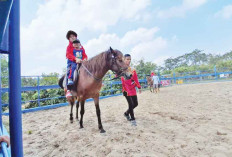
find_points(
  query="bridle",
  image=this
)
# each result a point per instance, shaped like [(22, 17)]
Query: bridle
[(113, 58)]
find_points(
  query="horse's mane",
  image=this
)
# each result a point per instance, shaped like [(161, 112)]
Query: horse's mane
[(96, 62)]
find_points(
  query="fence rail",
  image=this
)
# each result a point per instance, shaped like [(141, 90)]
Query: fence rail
[(110, 86)]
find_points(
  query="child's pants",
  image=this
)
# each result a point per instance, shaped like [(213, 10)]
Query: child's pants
[(70, 70)]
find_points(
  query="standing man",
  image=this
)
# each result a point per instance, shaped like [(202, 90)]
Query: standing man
[(155, 80), (129, 85)]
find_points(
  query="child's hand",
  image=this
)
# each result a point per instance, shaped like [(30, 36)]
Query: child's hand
[(5, 139), (78, 60)]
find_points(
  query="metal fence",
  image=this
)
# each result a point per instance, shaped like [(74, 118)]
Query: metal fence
[(39, 87), (215, 74)]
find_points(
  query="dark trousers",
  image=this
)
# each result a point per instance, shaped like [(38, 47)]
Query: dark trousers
[(132, 103)]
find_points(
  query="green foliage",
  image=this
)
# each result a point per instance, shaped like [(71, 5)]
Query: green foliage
[(224, 65), (143, 68), (4, 71), (44, 80), (197, 61), (195, 58), (50, 79)]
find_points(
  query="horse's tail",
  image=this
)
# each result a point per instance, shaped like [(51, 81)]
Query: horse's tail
[(61, 82)]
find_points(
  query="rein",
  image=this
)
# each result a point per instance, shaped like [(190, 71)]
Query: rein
[(100, 79), (116, 77), (95, 78)]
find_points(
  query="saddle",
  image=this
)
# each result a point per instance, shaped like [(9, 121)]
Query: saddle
[(75, 80)]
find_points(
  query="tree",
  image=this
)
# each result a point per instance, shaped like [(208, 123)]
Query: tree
[(143, 67), (4, 71)]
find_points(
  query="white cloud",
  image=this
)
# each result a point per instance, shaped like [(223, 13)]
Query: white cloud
[(139, 35), (139, 43), (149, 50), (225, 13), (180, 11), (97, 45), (160, 60), (43, 40)]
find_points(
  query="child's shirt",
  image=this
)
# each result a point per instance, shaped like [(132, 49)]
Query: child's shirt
[(78, 53), (70, 53)]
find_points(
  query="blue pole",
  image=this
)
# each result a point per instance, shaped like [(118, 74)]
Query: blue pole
[(15, 115), (111, 91), (38, 91), (1, 94), (215, 72), (174, 77)]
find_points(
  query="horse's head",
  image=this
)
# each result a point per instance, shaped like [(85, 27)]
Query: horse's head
[(115, 61)]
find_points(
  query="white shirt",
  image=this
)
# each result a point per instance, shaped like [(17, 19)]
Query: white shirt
[(155, 79)]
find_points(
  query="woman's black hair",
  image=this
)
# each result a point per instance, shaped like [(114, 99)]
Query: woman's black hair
[(127, 55)]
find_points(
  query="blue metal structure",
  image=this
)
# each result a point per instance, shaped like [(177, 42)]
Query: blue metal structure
[(12, 36), (10, 44), (15, 115)]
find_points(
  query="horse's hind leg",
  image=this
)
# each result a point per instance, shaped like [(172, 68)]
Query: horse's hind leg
[(82, 113), (98, 111), (77, 106)]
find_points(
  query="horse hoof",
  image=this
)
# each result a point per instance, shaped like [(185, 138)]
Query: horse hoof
[(81, 127), (71, 121), (102, 131)]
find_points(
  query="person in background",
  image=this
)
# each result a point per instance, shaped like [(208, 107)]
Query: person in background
[(152, 74), (129, 84), (156, 81)]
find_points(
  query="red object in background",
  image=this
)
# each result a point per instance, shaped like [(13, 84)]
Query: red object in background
[(152, 74), (165, 82)]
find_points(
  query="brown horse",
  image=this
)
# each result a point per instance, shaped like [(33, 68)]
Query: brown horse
[(150, 83), (89, 82)]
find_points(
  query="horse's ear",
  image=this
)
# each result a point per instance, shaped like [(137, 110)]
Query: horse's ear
[(112, 51)]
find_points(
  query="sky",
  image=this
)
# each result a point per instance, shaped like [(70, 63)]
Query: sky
[(150, 29)]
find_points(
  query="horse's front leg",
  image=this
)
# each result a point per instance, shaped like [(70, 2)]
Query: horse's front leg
[(77, 106), (82, 113), (71, 113), (98, 111)]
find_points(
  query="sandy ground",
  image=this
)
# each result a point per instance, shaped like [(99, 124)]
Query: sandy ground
[(185, 120)]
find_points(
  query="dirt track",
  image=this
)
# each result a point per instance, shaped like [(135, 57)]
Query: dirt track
[(186, 120)]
